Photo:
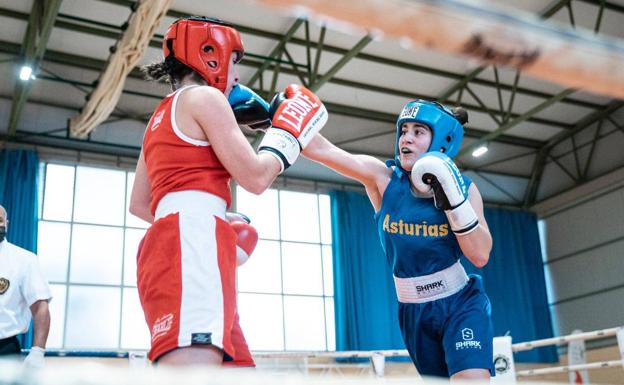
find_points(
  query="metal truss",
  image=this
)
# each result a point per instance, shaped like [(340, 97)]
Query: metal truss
[(544, 152), (508, 121), (40, 22)]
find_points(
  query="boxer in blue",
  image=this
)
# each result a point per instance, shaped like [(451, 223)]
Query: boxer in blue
[(428, 215)]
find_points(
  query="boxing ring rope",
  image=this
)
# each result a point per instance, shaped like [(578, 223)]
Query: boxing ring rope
[(587, 336), (340, 354), (570, 368), (596, 334), (377, 357), (517, 347), (485, 32), (13, 373)]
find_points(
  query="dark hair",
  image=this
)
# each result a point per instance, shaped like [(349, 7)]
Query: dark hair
[(170, 70), (461, 115)]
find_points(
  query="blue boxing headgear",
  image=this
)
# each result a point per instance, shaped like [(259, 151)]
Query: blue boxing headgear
[(447, 132)]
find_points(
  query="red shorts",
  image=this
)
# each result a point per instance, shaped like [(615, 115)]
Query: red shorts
[(186, 280)]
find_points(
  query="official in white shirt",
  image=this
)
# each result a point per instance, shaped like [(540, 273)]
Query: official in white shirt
[(24, 294)]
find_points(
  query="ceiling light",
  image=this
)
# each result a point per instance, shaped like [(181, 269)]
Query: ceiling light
[(25, 73), (480, 151)]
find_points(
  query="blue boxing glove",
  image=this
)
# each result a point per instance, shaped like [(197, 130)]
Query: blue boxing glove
[(436, 172), (249, 108)]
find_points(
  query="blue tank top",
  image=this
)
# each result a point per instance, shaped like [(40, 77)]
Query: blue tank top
[(415, 236)]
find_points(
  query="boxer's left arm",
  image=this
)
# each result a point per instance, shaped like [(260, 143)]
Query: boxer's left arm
[(141, 195), (437, 173), (477, 245)]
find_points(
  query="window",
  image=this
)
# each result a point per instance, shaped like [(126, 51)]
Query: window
[(87, 244), (542, 228), (286, 299)]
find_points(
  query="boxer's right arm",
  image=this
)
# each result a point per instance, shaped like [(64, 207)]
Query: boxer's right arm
[(211, 110)]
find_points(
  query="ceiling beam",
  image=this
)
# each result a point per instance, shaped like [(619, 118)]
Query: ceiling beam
[(541, 159), (413, 95), (514, 122), (391, 118), (41, 20), (96, 147), (498, 187), (136, 73), (585, 122), (539, 163), (97, 65), (337, 109), (547, 103), (341, 63), (551, 10), (277, 50), (156, 43), (607, 5)]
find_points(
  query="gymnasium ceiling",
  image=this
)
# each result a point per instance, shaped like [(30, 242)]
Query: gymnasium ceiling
[(547, 139)]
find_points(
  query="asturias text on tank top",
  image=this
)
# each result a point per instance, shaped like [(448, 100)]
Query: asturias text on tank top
[(422, 229)]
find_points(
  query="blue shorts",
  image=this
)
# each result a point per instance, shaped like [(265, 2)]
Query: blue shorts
[(451, 334)]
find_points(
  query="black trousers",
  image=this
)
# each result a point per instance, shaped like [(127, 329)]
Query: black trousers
[(9, 346)]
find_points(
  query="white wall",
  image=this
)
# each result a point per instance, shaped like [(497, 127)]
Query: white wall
[(585, 255)]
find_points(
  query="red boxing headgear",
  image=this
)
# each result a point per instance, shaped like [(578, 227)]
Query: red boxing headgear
[(205, 45)]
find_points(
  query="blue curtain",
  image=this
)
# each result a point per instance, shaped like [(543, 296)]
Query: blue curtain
[(19, 191), (365, 299), (364, 296), (515, 282)]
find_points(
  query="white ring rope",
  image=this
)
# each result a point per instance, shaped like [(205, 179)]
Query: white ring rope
[(593, 335), (340, 354), (569, 368), (597, 334), (517, 347), (371, 354)]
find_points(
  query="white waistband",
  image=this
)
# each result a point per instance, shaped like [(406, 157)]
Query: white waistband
[(431, 287), (191, 202)]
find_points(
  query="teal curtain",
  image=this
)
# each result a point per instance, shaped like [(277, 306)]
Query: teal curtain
[(365, 299), (515, 282), (19, 191)]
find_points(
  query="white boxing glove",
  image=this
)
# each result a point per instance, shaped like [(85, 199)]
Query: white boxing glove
[(297, 115), (34, 359), (435, 172)]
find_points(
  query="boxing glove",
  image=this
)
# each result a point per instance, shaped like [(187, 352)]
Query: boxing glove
[(434, 172), (249, 108), (297, 114), (246, 236)]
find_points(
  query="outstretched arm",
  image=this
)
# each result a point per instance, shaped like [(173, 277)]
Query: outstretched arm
[(368, 170)]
